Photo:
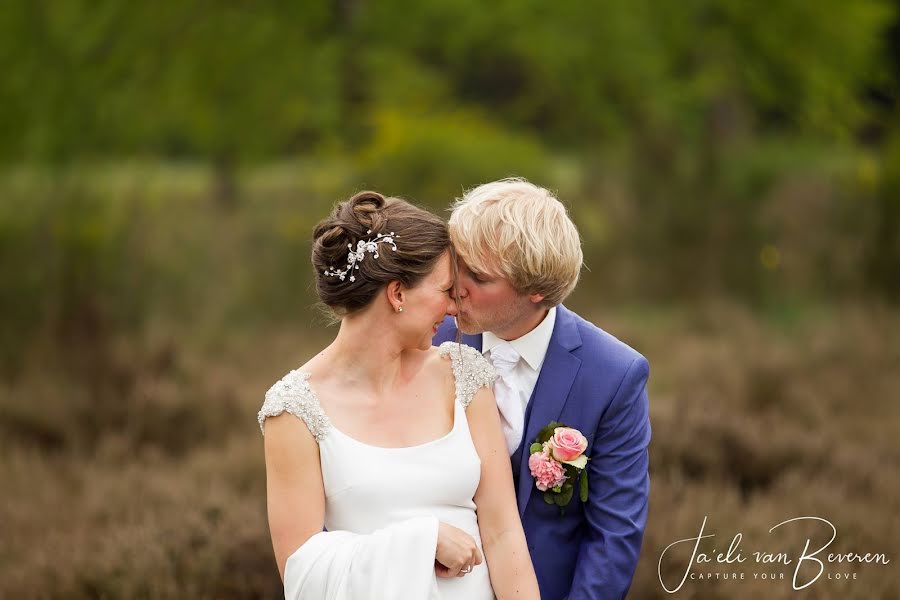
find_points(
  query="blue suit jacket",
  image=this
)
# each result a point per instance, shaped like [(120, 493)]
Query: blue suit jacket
[(593, 382)]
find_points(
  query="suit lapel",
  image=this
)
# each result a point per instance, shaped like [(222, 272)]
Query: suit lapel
[(550, 393)]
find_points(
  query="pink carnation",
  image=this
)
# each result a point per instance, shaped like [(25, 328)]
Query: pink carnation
[(547, 472)]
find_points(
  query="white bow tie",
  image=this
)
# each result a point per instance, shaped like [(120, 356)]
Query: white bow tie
[(504, 358)]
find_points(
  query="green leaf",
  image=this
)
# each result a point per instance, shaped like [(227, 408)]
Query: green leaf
[(547, 432), (565, 496), (584, 487), (579, 463), (535, 447), (548, 498)]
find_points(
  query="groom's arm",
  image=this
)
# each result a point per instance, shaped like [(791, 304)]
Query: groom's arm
[(619, 484)]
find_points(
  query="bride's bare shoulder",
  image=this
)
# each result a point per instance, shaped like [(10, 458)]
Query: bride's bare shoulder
[(435, 366), (317, 366)]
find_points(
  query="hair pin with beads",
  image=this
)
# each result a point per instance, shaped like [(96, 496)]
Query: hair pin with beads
[(356, 256)]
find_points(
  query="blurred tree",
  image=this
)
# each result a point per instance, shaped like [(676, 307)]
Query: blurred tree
[(226, 80), (688, 89), (230, 79), (710, 102)]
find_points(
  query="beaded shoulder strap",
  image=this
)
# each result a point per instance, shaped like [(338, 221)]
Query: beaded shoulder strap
[(471, 370), (293, 394)]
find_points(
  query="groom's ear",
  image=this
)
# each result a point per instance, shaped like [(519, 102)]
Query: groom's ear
[(536, 298)]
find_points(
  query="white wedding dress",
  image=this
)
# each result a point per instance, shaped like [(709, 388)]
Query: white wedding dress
[(383, 505)]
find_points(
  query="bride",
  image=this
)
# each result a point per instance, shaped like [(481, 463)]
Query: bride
[(387, 472)]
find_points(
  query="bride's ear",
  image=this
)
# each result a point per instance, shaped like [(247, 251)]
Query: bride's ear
[(396, 295)]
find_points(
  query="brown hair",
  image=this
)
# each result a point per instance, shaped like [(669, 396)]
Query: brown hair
[(420, 236)]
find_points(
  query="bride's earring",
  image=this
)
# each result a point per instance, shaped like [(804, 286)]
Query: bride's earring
[(399, 309)]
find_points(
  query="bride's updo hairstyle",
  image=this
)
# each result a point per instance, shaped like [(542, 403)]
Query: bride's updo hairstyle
[(420, 237)]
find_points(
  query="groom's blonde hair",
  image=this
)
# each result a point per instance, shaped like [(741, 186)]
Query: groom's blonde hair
[(521, 232)]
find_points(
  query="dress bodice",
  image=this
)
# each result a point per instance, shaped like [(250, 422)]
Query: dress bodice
[(370, 487)]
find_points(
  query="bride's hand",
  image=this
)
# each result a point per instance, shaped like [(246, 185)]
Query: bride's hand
[(456, 551)]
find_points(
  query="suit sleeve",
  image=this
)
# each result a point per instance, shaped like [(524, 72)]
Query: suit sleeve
[(619, 486)]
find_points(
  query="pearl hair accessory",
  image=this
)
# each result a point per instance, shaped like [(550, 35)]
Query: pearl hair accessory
[(356, 256)]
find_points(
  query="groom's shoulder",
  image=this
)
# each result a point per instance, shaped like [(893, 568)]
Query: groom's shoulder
[(599, 345)]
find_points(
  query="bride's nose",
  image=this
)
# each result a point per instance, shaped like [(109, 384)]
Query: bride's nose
[(452, 309)]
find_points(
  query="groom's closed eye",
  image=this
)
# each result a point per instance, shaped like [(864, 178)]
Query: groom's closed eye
[(475, 276)]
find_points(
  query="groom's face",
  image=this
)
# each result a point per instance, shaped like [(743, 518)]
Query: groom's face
[(488, 302)]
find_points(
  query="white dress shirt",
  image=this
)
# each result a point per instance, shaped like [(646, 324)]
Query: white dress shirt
[(531, 348)]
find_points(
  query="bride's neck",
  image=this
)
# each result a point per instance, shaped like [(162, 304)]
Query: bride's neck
[(365, 351)]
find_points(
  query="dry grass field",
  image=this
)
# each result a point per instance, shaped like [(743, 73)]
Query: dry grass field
[(136, 471)]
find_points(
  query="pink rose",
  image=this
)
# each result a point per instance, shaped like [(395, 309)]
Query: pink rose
[(567, 444), (547, 472)]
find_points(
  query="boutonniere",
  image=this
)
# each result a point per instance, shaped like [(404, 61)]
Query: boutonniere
[(557, 462)]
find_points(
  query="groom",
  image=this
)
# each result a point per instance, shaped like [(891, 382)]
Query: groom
[(519, 258)]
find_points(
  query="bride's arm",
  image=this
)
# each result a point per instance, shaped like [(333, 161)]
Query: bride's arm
[(502, 537), (293, 479)]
